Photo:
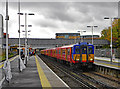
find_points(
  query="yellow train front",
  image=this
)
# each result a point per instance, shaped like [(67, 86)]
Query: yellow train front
[(83, 54)]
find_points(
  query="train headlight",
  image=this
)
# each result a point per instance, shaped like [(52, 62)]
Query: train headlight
[(91, 59)]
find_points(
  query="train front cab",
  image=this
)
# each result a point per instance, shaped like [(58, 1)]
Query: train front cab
[(83, 55), (87, 55), (91, 53)]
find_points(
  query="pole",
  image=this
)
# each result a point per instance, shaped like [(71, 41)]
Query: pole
[(75, 40), (6, 66), (92, 34), (28, 47), (7, 18), (82, 36), (25, 38), (111, 40), (19, 36)]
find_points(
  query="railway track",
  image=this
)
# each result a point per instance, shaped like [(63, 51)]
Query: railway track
[(82, 79), (117, 81)]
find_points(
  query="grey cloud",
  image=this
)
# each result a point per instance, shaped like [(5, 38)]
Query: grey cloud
[(58, 10), (48, 24), (57, 15)]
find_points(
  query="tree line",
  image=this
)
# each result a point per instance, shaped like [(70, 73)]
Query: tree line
[(106, 33)]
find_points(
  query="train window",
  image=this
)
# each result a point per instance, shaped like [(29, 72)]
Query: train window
[(90, 51), (59, 51), (68, 51), (63, 51), (72, 50), (49, 52), (77, 49), (84, 50)]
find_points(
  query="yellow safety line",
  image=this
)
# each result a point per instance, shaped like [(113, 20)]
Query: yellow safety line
[(44, 81), (107, 60), (13, 58), (1, 66), (108, 64), (10, 61), (102, 60)]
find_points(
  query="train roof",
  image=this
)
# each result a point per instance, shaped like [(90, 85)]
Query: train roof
[(67, 46), (85, 43), (82, 43)]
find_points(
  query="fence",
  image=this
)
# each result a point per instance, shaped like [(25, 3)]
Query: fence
[(107, 52)]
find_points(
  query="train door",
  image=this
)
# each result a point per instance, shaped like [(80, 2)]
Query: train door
[(60, 53), (83, 54), (66, 53), (90, 53)]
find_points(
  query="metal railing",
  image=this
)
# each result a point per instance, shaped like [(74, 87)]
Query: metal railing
[(107, 52)]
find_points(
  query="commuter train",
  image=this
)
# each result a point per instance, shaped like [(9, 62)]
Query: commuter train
[(80, 54)]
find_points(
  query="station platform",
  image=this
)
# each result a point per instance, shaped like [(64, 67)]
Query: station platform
[(37, 74), (106, 62)]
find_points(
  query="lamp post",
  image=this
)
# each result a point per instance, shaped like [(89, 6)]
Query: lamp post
[(7, 18), (26, 42), (26, 33), (92, 31), (80, 35), (7, 66), (111, 34), (19, 35)]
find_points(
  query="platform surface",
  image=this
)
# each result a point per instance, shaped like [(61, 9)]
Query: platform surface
[(103, 61), (37, 74)]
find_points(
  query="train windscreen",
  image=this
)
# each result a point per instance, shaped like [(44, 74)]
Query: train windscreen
[(90, 50), (84, 50), (77, 49)]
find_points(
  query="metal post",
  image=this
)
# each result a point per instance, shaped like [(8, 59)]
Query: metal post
[(6, 66), (7, 18), (111, 35), (27, 49), (92, 34), (19, 37), (75, 39), (111, 40), (25, 38), (82, 36)]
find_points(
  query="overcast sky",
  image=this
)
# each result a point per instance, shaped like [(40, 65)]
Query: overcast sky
[(59, 17)]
